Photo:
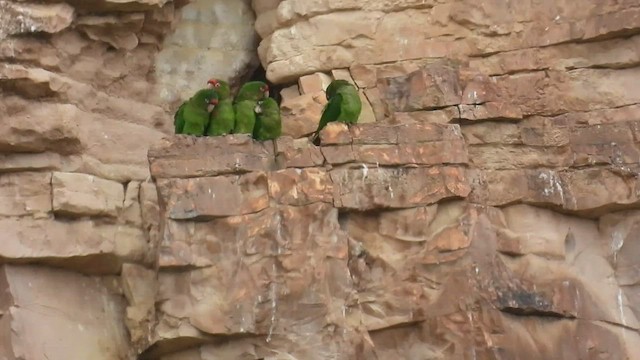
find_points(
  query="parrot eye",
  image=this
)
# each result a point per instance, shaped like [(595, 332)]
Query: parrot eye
[(217, 84)]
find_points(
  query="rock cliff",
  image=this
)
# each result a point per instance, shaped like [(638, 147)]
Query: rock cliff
[(487, 208)]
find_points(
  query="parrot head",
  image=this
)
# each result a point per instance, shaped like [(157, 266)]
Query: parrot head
[(206, 97), (334, 86), (265, 90), (222, 87)]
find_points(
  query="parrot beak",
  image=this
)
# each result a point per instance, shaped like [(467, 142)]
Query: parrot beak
[(212, 105), (211, 84), (258, 108)]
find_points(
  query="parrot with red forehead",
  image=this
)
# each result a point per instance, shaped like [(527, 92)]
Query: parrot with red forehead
[(246, 105), (192, 116), (223, 118)]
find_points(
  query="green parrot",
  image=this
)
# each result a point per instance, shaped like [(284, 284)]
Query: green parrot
[(222, 87), (246, 105), (268, 123), (245, 111), (223, 118), (344, 106), (192, 116), (253, 90)]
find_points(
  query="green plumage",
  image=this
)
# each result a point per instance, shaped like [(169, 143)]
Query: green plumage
[(253, 90), (268, 123), (222, 119), (192, 117), (221, 87), (245, 117), (178, 119), (344, 105)]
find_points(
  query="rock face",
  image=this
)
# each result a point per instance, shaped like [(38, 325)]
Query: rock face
[(85, 89), (389, 232), (486, 207)]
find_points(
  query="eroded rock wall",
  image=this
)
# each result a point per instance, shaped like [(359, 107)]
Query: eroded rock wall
[(85, 88), (387, 243), (490, 211)]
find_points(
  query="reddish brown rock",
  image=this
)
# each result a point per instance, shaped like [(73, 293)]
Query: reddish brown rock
[(497, 133), (555, 92), (297, 153), (300, 186), (292, 253), (340, 154), (335, 133), (139, 287), (433, 116), (435, 85), (208, 197), (431, 153), (507, 156), (377, 105), (489, 111), (314, 83), (479, 89), (185, 156), (564, 189), (374, 188), (300, 115)]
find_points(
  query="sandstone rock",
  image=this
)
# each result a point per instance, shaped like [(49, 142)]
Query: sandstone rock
[(367, 114), (558, 92), (84, 245), (19, 18), (434, 116), (140, 288), (209, 156), (603, 189), (42, 128), (340, 154), (150, 213), (490, 111), (310, 256), (435, 85), (290, 92), (516, 156), (377, 105), (117, 31), (300, 115), (297, 153), (37, 162), (300, 187), (131, 212), (335, 133), (433, 153), (501, 133), (612, 53), (25, 194), (31, 294), (389, 253), (208, 197), (81, 195), (478, 90), (314, 83), (208, 39), (368, 189), (118, 5)]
